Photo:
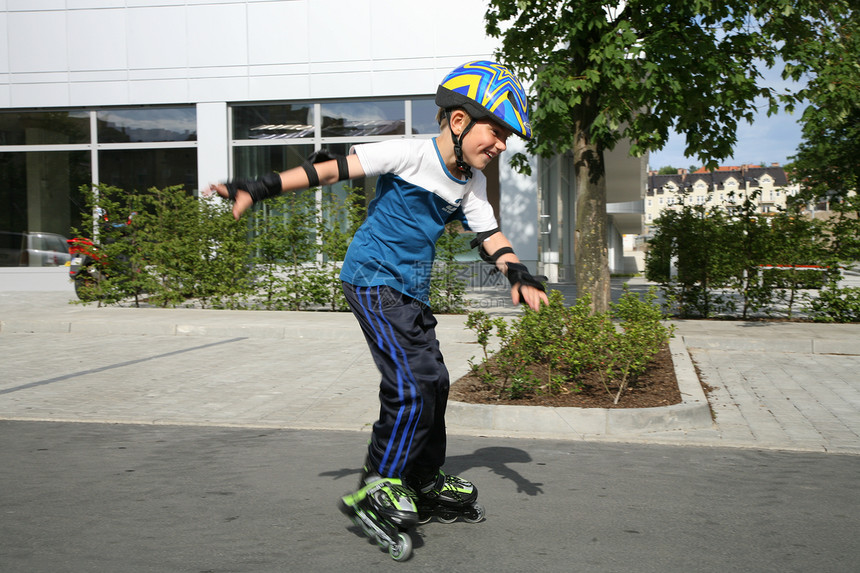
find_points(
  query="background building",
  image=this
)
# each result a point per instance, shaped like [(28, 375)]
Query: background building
[(726, 187), (143, 93)]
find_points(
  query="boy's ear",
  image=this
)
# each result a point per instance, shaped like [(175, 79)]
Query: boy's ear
[(459, 119)]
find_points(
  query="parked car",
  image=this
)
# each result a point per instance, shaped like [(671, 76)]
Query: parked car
[(33, 249)]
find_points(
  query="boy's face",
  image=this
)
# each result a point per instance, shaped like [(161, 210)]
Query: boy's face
[(484, 142)]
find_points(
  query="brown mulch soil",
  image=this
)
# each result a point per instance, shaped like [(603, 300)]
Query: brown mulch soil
[(656, 387)]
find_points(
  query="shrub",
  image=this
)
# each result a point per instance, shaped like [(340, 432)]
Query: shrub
[(339, 221), (447, 289), (547, 351), (118, 231), (835, 304), (285, 252), (751, 262), (696, 242), (172, 247), (193, 251)]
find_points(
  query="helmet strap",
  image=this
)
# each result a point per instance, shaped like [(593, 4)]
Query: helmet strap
[(458, 145)]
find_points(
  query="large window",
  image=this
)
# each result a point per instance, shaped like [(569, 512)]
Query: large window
[(44, 128), (147, 125), (363, 118), (41, 190), (140, 169), (284, 121), (47, 156), (275, 137)]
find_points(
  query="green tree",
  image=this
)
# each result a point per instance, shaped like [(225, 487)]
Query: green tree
[(695, 240), (750, 240), (844, 229), (602, 71), (825, 51)]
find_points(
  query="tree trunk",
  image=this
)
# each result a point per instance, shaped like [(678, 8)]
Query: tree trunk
[(591, 250)]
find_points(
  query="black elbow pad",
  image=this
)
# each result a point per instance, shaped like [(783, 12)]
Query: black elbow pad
[(319, 157), (482, 236), (478, 241), (495, 256)]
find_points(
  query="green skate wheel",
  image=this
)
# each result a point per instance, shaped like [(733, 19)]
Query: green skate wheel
[(401, 549)]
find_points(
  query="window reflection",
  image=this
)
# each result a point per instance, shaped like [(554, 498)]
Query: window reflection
[(147, 124), (140, 169), (283, 121), (44, 128), (41, 190), (362, 119), (258, 160), (424, 117)]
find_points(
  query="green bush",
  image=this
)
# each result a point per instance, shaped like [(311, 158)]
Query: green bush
[(170, 248), (193, 251), (339, 221), (167, 246), (546, 352), (285, 244), (696, 241), (751, 263), (835, 304), (121, 252), (447, 289)]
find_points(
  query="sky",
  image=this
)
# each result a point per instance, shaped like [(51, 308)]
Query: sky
[(767, 140)]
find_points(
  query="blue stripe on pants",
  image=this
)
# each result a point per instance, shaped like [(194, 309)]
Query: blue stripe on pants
[(413, 393), (402, 433)]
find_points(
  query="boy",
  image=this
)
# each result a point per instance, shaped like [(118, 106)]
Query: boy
[(423, 184)]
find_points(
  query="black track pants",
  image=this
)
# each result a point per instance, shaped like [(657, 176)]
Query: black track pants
[(409, 437)]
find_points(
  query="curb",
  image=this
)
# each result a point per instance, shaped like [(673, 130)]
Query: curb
[(461, 418), (214, 323), (584, 423), (790, 345)]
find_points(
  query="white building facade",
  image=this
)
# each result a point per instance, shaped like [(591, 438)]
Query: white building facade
[(143, 93), (725, 188)]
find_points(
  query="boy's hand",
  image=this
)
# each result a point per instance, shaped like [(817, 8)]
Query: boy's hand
[(525, 288), (529, 295), (243, 198)]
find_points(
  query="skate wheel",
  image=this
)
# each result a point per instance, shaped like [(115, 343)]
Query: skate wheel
[(401, 549), (447, 518), (477, 516)]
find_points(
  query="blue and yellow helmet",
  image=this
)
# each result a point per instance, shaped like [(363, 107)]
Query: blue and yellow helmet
[(487, 90)]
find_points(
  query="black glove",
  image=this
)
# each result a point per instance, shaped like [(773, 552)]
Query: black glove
[(518, 273), (266, 186)]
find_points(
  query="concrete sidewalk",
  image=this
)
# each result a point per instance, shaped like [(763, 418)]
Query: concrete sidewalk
[(791, 386)]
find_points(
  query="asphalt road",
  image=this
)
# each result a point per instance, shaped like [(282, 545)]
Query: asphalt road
[(94, 497)]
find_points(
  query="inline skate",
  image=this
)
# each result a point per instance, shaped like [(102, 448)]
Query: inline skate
[(384, 509), (447, 498)]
